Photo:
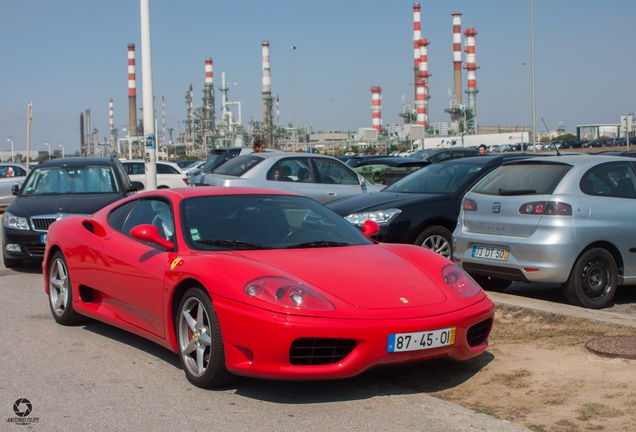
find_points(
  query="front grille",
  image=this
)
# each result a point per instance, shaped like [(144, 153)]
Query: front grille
[(35, 250), (478, 333), (312, 351), (42, 223)]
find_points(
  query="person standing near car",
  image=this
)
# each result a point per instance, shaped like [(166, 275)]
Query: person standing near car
[(482, 150), (259, 146)]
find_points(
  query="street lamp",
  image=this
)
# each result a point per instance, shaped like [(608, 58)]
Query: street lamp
[(293, 47), (49, 146), (522, 125), (62, 147), (10, 140)]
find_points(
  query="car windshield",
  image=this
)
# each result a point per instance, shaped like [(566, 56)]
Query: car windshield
[(239, 165), (243, 222), (440, 178), (522, 179), (71, 180)]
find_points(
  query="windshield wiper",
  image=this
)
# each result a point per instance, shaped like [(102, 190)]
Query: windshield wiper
[(238, 244), (320, 243), (506, 192)]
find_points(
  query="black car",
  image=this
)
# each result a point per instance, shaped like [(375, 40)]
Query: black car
[(437, 155), (421, 208), (53, 189)]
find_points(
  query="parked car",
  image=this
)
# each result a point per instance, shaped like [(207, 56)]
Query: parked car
[(388, 169), (438, 155), (566, 219), (10, 175), (54, 189), (421, 208), (626, 153), (169, 174), (195, 168), (261, 283), (323, 178)]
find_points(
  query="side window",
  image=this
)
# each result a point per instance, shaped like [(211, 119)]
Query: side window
[(144, 211), (613, 179), (332, 171), (166, 169), (296, 170)]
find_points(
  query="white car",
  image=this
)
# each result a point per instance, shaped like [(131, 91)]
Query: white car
[(169, 175)]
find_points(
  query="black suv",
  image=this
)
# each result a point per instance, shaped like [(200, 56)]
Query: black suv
[(53, 189)]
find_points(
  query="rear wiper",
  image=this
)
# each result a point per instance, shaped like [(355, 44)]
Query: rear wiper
[(517, 191), (239, 244), (320, 243)]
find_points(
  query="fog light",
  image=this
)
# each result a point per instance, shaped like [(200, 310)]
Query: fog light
[(13, 248)]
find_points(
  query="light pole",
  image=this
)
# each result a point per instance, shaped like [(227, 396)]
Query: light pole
[(49, 147), (534, 109), (10, 140), (522, 126), (293, 47), (62, 147)]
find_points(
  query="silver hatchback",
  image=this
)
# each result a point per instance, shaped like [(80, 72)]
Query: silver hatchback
[(323, 178), (567, 219)]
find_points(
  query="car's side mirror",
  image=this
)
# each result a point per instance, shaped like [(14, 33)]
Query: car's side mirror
[(15, 189), (150, 233), (135, 186), (370, 227)]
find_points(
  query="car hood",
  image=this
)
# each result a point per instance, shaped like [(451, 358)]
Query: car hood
[(53, 204), (371, 281), (379, 201)]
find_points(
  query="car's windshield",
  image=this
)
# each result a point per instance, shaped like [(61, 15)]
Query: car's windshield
[(241, 222), (71, 180), (239, 165), (441, 178)]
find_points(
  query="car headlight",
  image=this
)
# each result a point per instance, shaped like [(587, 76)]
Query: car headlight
[(286, 293), (15, 222), (382, 217), (459, 281)]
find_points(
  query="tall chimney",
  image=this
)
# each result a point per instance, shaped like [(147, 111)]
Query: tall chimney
[(457, 56), (421, 94), (208, 97), (471, 67), (417, 35), (267, 95), (376, 107), (132, 92)]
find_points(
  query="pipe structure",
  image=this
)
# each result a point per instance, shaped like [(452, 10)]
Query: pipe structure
[(267, 94), (189, 132), (457, 55), (132, 92), (376, 107), (471, 67)]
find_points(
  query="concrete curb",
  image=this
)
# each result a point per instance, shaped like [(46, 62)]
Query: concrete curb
[(562, 309)]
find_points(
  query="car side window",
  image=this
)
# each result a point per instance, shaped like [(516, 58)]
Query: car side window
[(334, 172), (614, 179), (166, 169), (143, 211)]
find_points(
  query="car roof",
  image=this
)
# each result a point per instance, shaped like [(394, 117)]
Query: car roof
[(188, 192), (574, 160), (76, 161)]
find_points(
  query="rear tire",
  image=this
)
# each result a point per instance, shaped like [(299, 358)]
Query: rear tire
[(438, 239), (593, 280), (491, 284)]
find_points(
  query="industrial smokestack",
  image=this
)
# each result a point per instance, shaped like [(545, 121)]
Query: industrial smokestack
[(376, 107), (471, 67), (457, 56), (208, 98), (267, 94), (132, 92), (417, 35), (421, 94)]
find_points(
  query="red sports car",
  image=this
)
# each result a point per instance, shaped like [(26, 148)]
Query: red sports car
[(260, 283)]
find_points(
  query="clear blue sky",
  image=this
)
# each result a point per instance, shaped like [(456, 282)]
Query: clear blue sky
[(67, 56)]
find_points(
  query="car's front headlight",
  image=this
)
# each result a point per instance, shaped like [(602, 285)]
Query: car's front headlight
[(382, 217), (15, 222), (287, 293)]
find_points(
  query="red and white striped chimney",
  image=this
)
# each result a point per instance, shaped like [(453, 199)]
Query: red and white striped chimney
[(417, 35), (268, 117), (471, 67), (209, 78), (376, 107), (132, 92), (421, 94), (457, 55)]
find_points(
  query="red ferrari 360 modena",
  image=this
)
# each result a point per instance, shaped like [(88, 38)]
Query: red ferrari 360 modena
[(260, 283)]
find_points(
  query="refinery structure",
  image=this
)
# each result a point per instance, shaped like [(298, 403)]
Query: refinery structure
[(204, 128)]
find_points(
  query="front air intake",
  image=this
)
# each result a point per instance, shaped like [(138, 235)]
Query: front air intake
[(312, 351)]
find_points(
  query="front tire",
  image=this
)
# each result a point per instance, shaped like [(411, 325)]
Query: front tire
[(438, 239), (593, 280), (60, 292), (200, 341)]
